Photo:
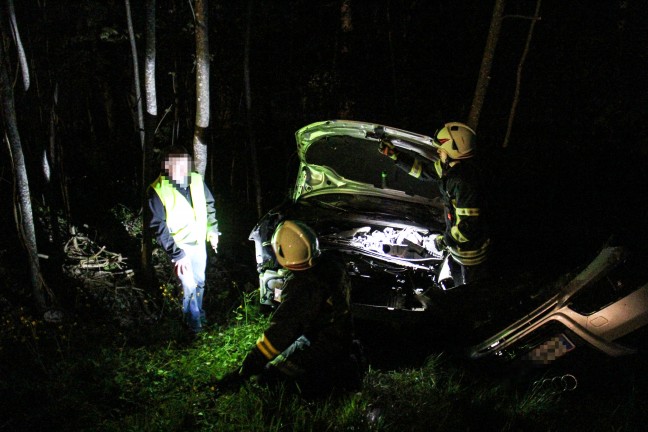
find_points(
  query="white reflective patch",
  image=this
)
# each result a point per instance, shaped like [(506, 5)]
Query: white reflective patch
[(277, 295)]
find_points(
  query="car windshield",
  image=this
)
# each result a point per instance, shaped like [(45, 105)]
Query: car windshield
[(359, 160)]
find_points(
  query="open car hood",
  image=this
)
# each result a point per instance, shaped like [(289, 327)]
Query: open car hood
[(342, 157)]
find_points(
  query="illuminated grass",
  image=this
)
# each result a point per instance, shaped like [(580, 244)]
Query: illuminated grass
[(109, 384)]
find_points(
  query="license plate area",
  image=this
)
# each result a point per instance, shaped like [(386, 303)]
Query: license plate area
[(552, 349)]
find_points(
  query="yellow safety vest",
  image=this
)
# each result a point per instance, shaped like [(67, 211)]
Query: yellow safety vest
[(187, 224)]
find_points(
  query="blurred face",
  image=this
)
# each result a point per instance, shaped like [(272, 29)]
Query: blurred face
[(178, 168)]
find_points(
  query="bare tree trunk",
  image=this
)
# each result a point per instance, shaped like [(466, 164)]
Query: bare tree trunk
[(136, 78), (150, 124), (345, 108), (22, 58), (518, 79), (346, 19), (56, 155), (392, 59), (487, 62), (248, 105), (47, 166), (53, 154), (24, 215), (202, 86), (175, 131)]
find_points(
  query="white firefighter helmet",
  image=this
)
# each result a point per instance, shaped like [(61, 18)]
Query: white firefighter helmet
[(457, 139), (295, 245)]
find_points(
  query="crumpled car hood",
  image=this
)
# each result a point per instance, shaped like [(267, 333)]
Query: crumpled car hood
[(342, 157)]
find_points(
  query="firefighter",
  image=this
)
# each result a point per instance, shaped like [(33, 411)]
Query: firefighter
[(309, 339), (460, 183), (183, 221)]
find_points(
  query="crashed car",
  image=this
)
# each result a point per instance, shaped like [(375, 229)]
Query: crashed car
[(381, 219), (604, 307), (382, 222)]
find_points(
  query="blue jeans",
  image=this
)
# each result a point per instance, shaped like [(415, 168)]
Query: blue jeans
[(193, 286)]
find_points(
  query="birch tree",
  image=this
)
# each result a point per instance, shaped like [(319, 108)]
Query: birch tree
[(136, 78), (23, 208), (202, 86), (15, 34), (149, 138)]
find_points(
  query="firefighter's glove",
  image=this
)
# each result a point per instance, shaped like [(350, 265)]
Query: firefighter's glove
[(388, 150), (439, 243), (253, 364)]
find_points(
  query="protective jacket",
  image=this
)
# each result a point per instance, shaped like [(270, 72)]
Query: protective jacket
[(461, 188), (181, 215), (312, 325)]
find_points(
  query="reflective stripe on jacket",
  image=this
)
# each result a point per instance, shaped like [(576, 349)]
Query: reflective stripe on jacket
[(466, 234), (461, 189)]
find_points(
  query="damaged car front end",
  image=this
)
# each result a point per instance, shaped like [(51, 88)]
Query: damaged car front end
[(381, 220)]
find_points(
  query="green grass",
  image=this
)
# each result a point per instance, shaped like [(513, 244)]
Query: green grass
[(112, 385), (80, 377)]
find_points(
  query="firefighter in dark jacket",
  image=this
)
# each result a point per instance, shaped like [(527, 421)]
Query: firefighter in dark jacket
[(459, 179), (183, 221), (309, 338)]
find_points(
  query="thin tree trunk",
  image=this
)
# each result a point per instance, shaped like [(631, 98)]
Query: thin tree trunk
[(248, 105), (136, 78), (202, 86), (57, 157), (150, 124), (345, 108), (52, 153), (22, 58), (175, 131), (487, 62), (24, 215), (518, 79), (392, 59), (46, 171)]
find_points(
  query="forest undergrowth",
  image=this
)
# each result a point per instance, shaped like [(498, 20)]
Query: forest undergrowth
[(119, 359)]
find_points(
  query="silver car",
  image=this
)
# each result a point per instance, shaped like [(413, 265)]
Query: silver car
[(379, 218), (601, 306)]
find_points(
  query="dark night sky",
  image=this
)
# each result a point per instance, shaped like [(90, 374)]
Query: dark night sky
[(577, 149)]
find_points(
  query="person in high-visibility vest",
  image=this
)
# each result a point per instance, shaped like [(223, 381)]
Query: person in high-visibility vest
[(183, 221), (461, 184)]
